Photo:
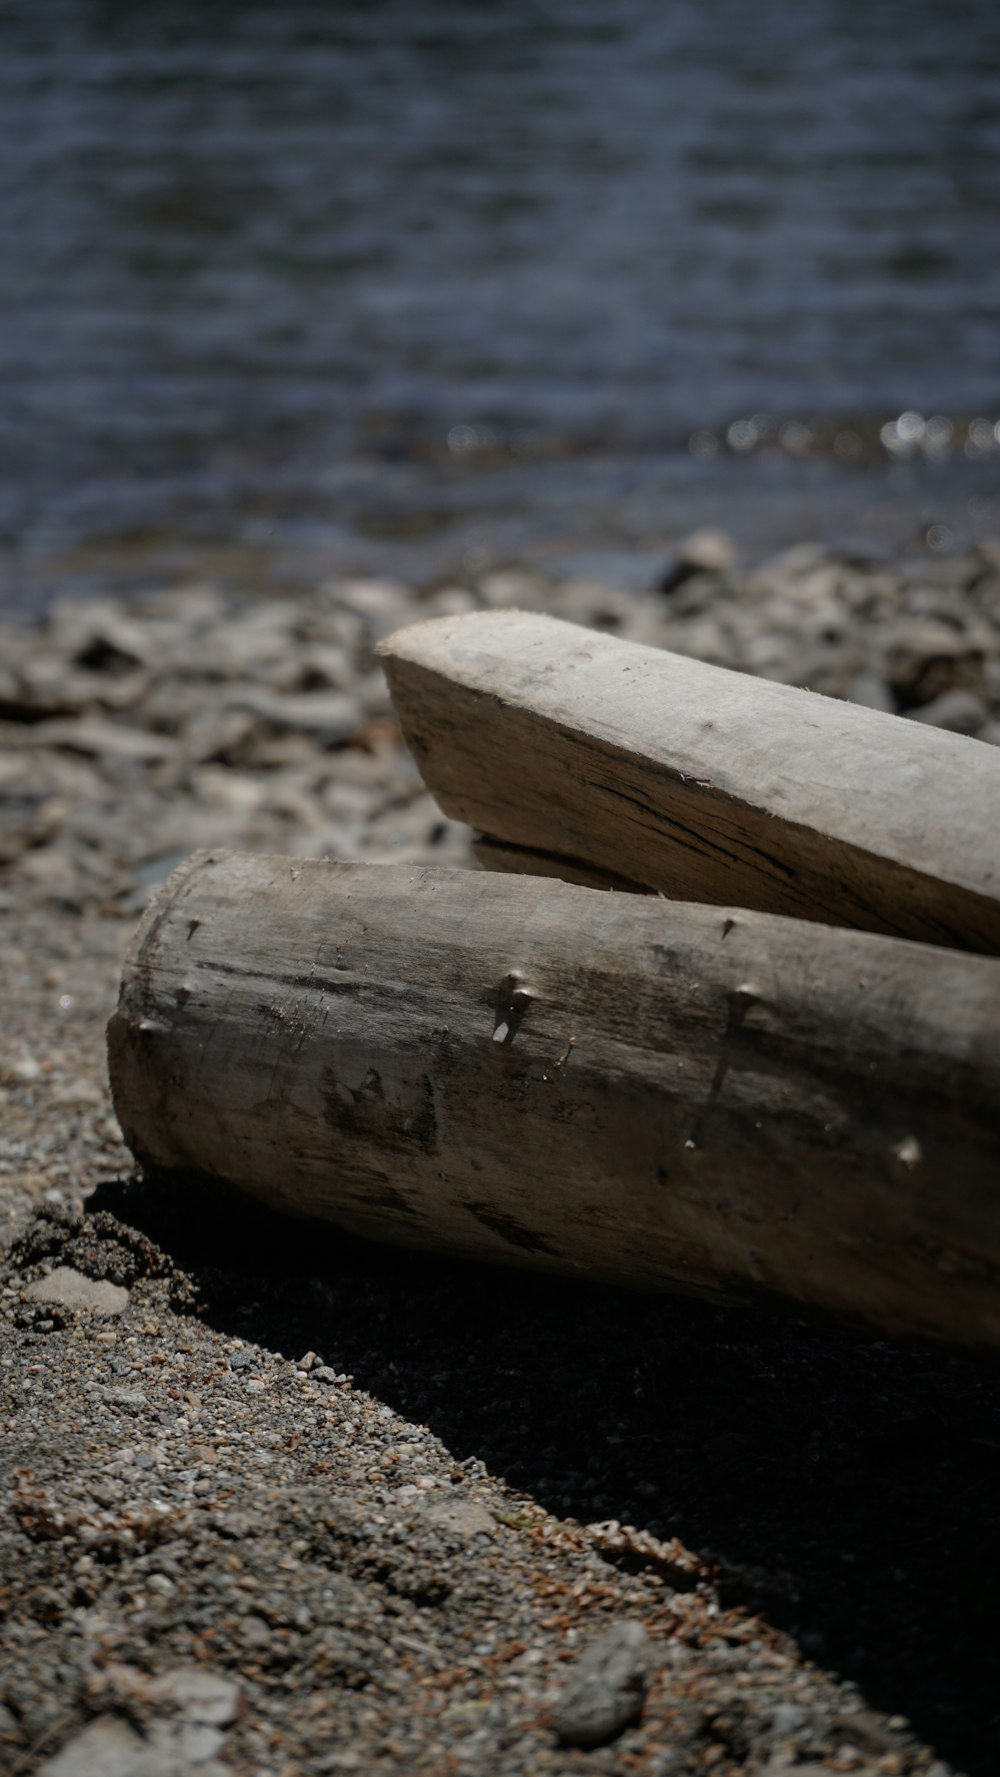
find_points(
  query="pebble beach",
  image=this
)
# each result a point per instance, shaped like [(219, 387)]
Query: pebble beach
[(281, 1504)]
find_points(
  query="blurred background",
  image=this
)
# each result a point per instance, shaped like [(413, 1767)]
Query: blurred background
[(436, 286)]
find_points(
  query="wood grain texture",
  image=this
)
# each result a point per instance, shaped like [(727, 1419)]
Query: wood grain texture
[(706, 784), (520, 860), (607, 1085)]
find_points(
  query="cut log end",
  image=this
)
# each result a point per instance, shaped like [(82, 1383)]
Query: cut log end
[(701, 783)]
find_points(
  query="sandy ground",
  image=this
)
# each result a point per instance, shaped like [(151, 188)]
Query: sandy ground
[(277, 1503)]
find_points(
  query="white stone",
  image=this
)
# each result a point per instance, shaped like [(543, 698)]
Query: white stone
[(70, 1289)]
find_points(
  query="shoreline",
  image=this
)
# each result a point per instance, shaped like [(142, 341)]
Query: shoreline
[(132, 733)]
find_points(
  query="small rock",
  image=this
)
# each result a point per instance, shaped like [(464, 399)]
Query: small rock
[(178, 1747), (103, 740), (374, 697), (960, 712), (463, 1517), (383, 602), (924, 658), (124, 1397), (787, 1719), (871, 692), (328, 717), (72, 1290), (201, 1696), (21, 1072), (704, 552), (867, 1730), (237, 1526), (323, 1373), (255, 1633), (98, 628), (78, 1092), (107, 1747), (704, 639), (322, 667), (510, 587), (213, 735), (606, 1687), (449, 601)]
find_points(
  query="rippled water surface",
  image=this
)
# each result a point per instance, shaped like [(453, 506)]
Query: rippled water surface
[(411, 284)]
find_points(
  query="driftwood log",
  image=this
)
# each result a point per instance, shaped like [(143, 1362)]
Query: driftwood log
[(705, 784), (608, 1085)]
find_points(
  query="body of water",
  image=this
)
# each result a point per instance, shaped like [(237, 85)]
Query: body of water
[(428, 286)]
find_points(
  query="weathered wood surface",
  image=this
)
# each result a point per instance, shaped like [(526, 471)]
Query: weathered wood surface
[(706, 784), (520, 860), (608, 1085)]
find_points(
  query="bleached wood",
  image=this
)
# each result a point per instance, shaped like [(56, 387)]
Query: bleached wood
[(603, 1084), (706, 784)]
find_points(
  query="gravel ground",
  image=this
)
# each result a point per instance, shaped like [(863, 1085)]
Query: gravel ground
[(277, 1503)]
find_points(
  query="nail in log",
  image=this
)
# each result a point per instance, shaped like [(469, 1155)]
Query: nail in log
[(613, 1086)]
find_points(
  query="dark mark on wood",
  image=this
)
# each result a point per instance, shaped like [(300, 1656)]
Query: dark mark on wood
[(510, 1230)]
